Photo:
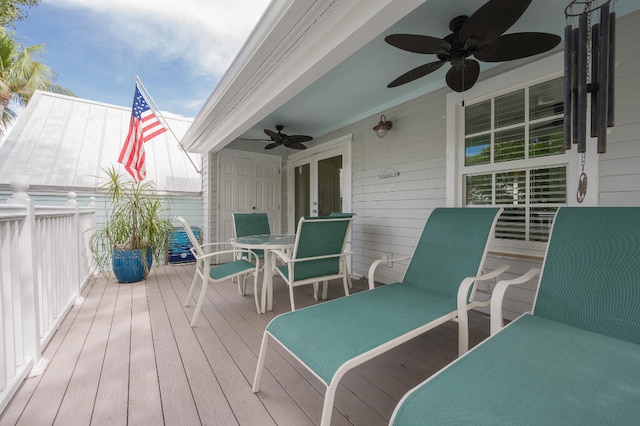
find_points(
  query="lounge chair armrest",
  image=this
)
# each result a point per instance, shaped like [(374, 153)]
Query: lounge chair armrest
[(498, 297), (493, 274), (374, 265), (465, 301)]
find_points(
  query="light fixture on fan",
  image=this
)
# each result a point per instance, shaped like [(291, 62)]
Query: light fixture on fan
[(382, 127)]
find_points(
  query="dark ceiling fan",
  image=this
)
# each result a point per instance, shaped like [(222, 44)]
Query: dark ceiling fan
[(279, 138), (478, 35)]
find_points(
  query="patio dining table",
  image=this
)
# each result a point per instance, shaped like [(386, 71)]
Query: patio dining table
[(266, 243)]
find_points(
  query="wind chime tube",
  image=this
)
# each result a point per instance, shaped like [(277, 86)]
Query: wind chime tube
[(574, 85), (611, 119), (581, 111), (593, 87), (603, 79), (568, 87)]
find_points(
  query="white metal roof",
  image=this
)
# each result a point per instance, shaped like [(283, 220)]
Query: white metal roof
[(62, 143)]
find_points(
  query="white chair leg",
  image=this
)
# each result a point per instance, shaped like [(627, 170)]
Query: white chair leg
[(261, 357), (315, 291), (200, 301), (327, 406), (348, 275), (255, 291), (193, 285), (463, 332), (325, 288), (346, 282), (242, 285), (293, 305)]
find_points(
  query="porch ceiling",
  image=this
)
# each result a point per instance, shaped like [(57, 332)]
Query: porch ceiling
[(343, 90)]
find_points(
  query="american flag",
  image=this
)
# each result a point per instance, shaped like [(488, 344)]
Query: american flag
[(144, 126)]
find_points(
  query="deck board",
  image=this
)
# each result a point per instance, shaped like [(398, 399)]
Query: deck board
[(111, 404), (145, 407), (127, 355)]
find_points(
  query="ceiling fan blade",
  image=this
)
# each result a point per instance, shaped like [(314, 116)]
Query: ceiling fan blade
[(271, 145), (517, 45), (296, 145), (418, 43), (299, 138), (463, 78), (416, 73), (491, 20), (273, 135)]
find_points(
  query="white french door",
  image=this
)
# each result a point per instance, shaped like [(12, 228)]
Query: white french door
[(319, 181)]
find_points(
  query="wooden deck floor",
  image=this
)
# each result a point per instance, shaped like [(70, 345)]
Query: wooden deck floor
[(128, 356)]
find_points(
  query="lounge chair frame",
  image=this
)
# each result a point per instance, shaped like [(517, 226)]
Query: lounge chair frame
[(459, 313), (574, 358)]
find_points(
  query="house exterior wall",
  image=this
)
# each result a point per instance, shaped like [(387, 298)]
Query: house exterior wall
[(619, 179), (211, 202), (392, 211)]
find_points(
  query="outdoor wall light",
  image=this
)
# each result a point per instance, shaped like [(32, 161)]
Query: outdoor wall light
[(383, 127)]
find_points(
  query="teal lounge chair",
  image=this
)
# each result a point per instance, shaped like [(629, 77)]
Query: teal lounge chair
[(246, 263), (318, 254), (332, 337), (575, 360)]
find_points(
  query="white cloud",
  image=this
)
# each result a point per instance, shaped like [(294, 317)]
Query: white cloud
[(206, 34)]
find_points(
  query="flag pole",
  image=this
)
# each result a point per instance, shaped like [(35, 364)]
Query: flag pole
[(147, 96)]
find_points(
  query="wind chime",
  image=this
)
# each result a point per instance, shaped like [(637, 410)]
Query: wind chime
[(589, 57)]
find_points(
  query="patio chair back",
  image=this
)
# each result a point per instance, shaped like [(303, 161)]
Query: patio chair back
[(591, 273), (246, 224), (192, 238), (320, 236), (452, 245)]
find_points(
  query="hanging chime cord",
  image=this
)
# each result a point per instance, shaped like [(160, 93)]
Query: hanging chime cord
[(582, 180)]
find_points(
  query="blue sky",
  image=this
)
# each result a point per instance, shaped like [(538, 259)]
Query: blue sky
[(180, 50)]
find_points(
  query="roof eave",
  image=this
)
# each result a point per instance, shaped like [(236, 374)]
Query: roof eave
[(279, 60)]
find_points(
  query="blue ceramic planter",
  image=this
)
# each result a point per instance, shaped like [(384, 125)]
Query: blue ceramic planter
[(129, 265)]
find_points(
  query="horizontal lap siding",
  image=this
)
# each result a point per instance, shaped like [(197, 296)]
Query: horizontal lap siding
[(392, 211), (619, 174)]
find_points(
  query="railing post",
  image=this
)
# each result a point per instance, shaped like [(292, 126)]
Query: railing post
[(76, 243), (28, 275)]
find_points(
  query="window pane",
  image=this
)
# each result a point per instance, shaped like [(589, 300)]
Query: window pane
[(549, 186), (509, 145), (540, 223), (511, 224), (511, 187), (546, 99), (478, 190), (546, 139), (510, 109), (477, 118), (477, 150)]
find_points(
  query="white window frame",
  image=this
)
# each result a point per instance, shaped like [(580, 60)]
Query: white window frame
[(537, 72)]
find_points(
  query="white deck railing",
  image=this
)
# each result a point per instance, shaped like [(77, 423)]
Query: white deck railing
[(44, 264)]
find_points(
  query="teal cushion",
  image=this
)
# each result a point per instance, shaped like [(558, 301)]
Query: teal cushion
[(591, 275), (226, 270), (450, 249), (534, 372), (247, 224), (325, 336)]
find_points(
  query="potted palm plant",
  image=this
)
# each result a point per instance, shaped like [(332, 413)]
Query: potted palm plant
[(135, 228)]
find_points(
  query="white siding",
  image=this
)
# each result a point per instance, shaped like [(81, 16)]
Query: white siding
[(211, 198), (619, 180)]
